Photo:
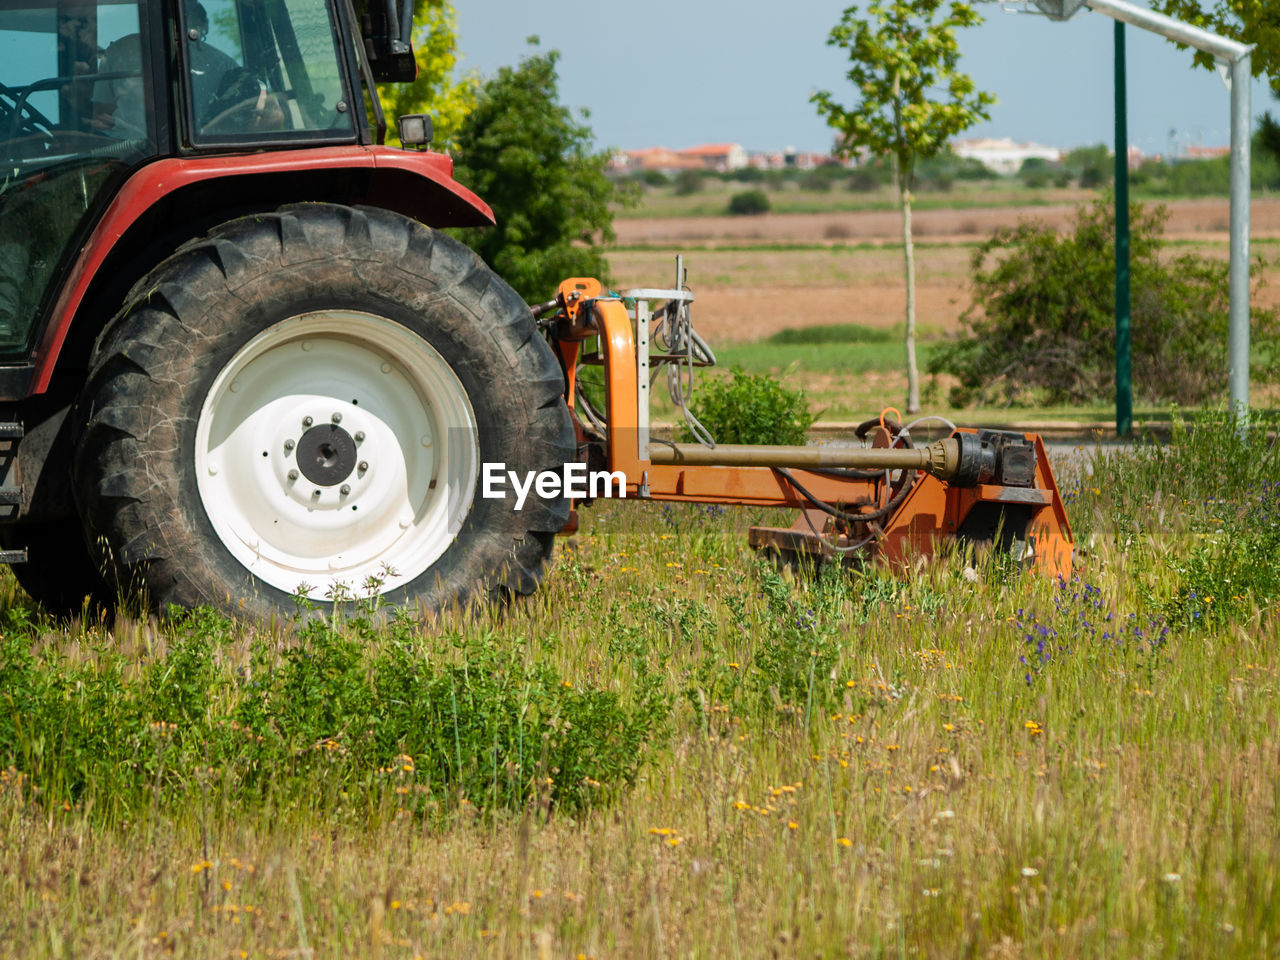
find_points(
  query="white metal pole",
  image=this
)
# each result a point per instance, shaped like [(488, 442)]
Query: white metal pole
[(1238, 284), (1238, 57)]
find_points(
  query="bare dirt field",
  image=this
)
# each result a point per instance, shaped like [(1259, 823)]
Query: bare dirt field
[(747, 294), (1195, 219)]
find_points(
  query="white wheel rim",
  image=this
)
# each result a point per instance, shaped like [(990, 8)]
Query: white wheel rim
[(301, 526)]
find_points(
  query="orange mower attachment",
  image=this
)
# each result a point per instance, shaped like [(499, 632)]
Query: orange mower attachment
[(883, 497)]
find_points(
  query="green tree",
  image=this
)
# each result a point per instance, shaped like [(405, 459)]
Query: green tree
[(1249, 21), (1268, 137), (528, 157), (903, 62), (1091, 166), (437, 91)]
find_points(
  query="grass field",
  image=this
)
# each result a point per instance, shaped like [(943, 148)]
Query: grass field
[(713, 199), (677, 750)]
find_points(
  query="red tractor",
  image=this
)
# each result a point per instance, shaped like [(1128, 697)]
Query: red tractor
[(237, 362)]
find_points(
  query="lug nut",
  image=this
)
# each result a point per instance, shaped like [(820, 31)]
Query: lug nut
[(346, 488), (359, 436), (293, 474), (288, 445), (315, 493), (363, 466), (307, 421), (336, 418)]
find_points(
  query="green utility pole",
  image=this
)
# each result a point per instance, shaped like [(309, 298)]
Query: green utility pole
[(1124, 380)]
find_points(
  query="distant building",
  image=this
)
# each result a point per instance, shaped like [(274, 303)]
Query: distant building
[(649, 158), (790, 158), (1205, 153), (716, 157), (720, 157), (1003, 155)]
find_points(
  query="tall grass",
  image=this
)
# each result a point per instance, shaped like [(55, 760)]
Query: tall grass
[(837, 763)]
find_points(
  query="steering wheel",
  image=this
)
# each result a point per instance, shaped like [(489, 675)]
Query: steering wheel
[(18, 118), (245, 105)]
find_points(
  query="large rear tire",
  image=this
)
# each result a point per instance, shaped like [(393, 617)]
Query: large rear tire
[(301, 402)]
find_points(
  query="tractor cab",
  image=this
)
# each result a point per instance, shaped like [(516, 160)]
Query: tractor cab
[(89, 92)]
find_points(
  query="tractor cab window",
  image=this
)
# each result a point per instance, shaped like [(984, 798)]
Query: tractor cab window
[(264, 70), (75, 117)]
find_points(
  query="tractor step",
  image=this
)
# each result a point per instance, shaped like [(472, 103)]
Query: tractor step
[(10, 494)]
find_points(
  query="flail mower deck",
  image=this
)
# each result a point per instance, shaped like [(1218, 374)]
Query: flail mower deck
[(883, 497)]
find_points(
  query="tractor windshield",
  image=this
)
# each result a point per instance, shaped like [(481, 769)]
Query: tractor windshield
[(264, 71), (75, 115)]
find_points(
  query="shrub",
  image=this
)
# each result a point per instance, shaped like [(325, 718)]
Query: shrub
[(1041, 327), (751, 408), (821, 178), (688, 182), (1034, 173), (1092, 166), (1194, 178), (1201, 178), (940, 171), (749, 203), (864, 180), (970, 169), (654, 178), (937, 182)]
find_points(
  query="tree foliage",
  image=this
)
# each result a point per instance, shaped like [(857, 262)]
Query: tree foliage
[(1249, 21), (437, 91), (904, 60), (1268, 136), (533, 163), (1041, 326)]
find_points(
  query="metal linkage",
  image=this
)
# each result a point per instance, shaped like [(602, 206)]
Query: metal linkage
[(680, 349)]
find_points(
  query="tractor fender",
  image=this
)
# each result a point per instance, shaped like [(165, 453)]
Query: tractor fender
[(418, 184)]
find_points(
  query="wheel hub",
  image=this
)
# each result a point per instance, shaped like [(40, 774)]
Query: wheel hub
[(337, 448), (326, 454)]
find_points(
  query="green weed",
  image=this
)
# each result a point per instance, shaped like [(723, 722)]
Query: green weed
[(321, 719)]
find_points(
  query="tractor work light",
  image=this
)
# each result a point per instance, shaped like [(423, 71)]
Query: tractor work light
[(415, 129)]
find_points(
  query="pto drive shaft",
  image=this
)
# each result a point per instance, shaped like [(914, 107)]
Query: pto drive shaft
[(940, 458), (963, 460)]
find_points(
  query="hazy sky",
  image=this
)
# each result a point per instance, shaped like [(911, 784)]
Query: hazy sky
[(680, 72)]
